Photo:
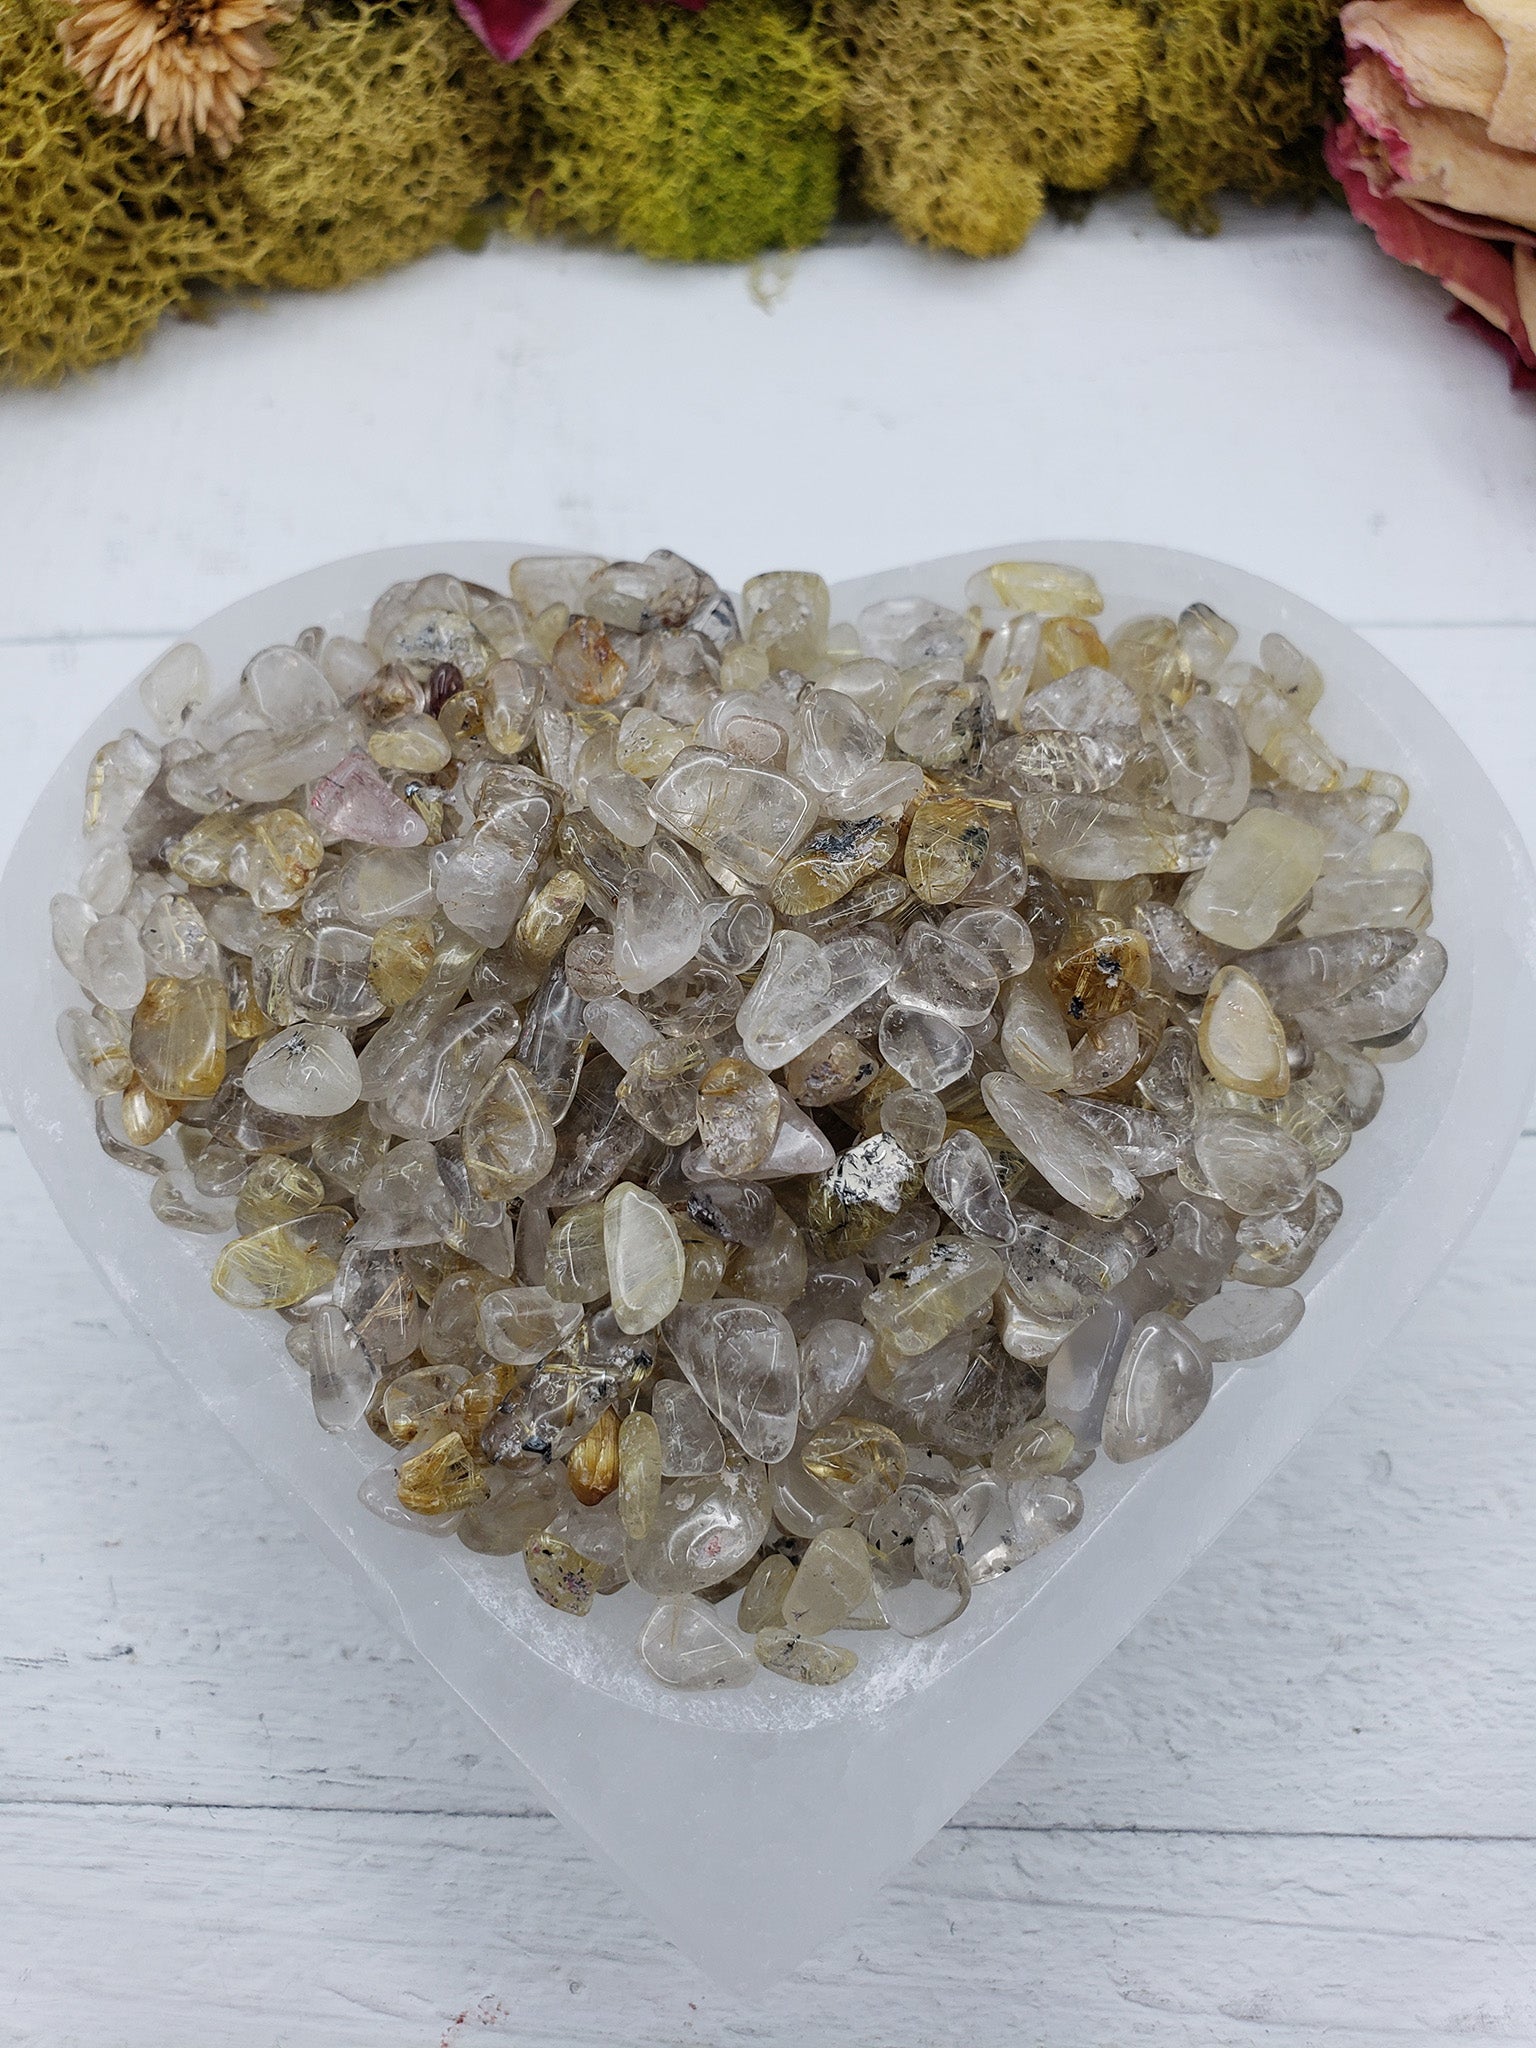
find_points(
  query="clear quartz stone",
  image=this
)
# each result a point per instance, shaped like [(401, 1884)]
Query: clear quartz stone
[(833, 1581), (176, 686), (691, 1444), (1160, 1389), (307, 1070), (1081, 1165), (927, 1050), (687, 1646), (741, 1359), (1241, 1323), (803, 990)]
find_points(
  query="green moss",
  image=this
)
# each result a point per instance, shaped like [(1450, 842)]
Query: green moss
[(963, 111), (1237, 96), (99, 231), (694, 136), (370, 143)]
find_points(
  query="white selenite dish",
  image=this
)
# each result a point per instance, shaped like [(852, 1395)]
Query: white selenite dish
[(751, 1825)]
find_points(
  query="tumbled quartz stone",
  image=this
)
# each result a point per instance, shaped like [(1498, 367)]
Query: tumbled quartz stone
[(342, 1374), (1050, 588), (803, 989), (644, 1256), (947, 840), (113, 962), (835, 1355), (1241, 1323), (832, 1582), (1242, 1041), (119, 776), (805, 1659), (1029, 1515), (178, 1037), (276, 1189), (307, 1070), (916, 1121), (749, 819), (353, 801), (936, 1291), (686, 1645), (1034, 1036), (176, 941), (96, 1047), (1304, 973), (762, 1598), (509, 1140), (640, 1454), (831, 863), (703, 1530), (739, 1114), (1252, 1165), (939, 972), (576, 1263), (1042, 1446), (272, 1268), (1160, 1389), (962, 1178), (1389, 1001), (1275, 1250), (518, 1506), (523, 1325), (928, 1051), (560, 1575), (1262, 869), (1078, 1163), (833, 1069), (858, 1463), (592, 1465), (1101, 979), (176, 685), (741, 1359), (691, 1444)]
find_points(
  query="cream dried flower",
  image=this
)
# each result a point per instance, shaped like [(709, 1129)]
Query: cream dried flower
[(183, 67)]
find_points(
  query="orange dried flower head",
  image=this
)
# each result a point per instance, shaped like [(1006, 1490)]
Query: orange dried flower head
[(184, 68)]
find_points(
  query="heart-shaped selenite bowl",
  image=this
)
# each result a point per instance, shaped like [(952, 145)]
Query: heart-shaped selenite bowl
[(752, 1824)]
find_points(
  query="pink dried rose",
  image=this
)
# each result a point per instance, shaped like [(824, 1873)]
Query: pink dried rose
[(508, 27), (1437, 154)]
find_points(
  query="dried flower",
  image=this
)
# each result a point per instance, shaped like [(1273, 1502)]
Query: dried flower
[(183, 67)]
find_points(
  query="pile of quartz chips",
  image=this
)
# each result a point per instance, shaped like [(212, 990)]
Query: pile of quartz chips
[(738, 1102)]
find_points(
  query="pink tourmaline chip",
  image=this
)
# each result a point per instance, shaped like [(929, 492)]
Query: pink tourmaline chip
[(355, 802)]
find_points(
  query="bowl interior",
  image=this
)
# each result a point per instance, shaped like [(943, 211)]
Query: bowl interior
[(1410, 1184)]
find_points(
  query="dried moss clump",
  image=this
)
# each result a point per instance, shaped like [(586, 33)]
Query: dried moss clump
[(372, 141), (695, 136), (1238, 95), (964, 111), (99, 230)]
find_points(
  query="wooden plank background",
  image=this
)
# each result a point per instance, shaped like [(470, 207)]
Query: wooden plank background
[(1298, 1806)]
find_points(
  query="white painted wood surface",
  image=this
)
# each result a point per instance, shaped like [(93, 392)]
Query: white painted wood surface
[(1299, 1805)]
